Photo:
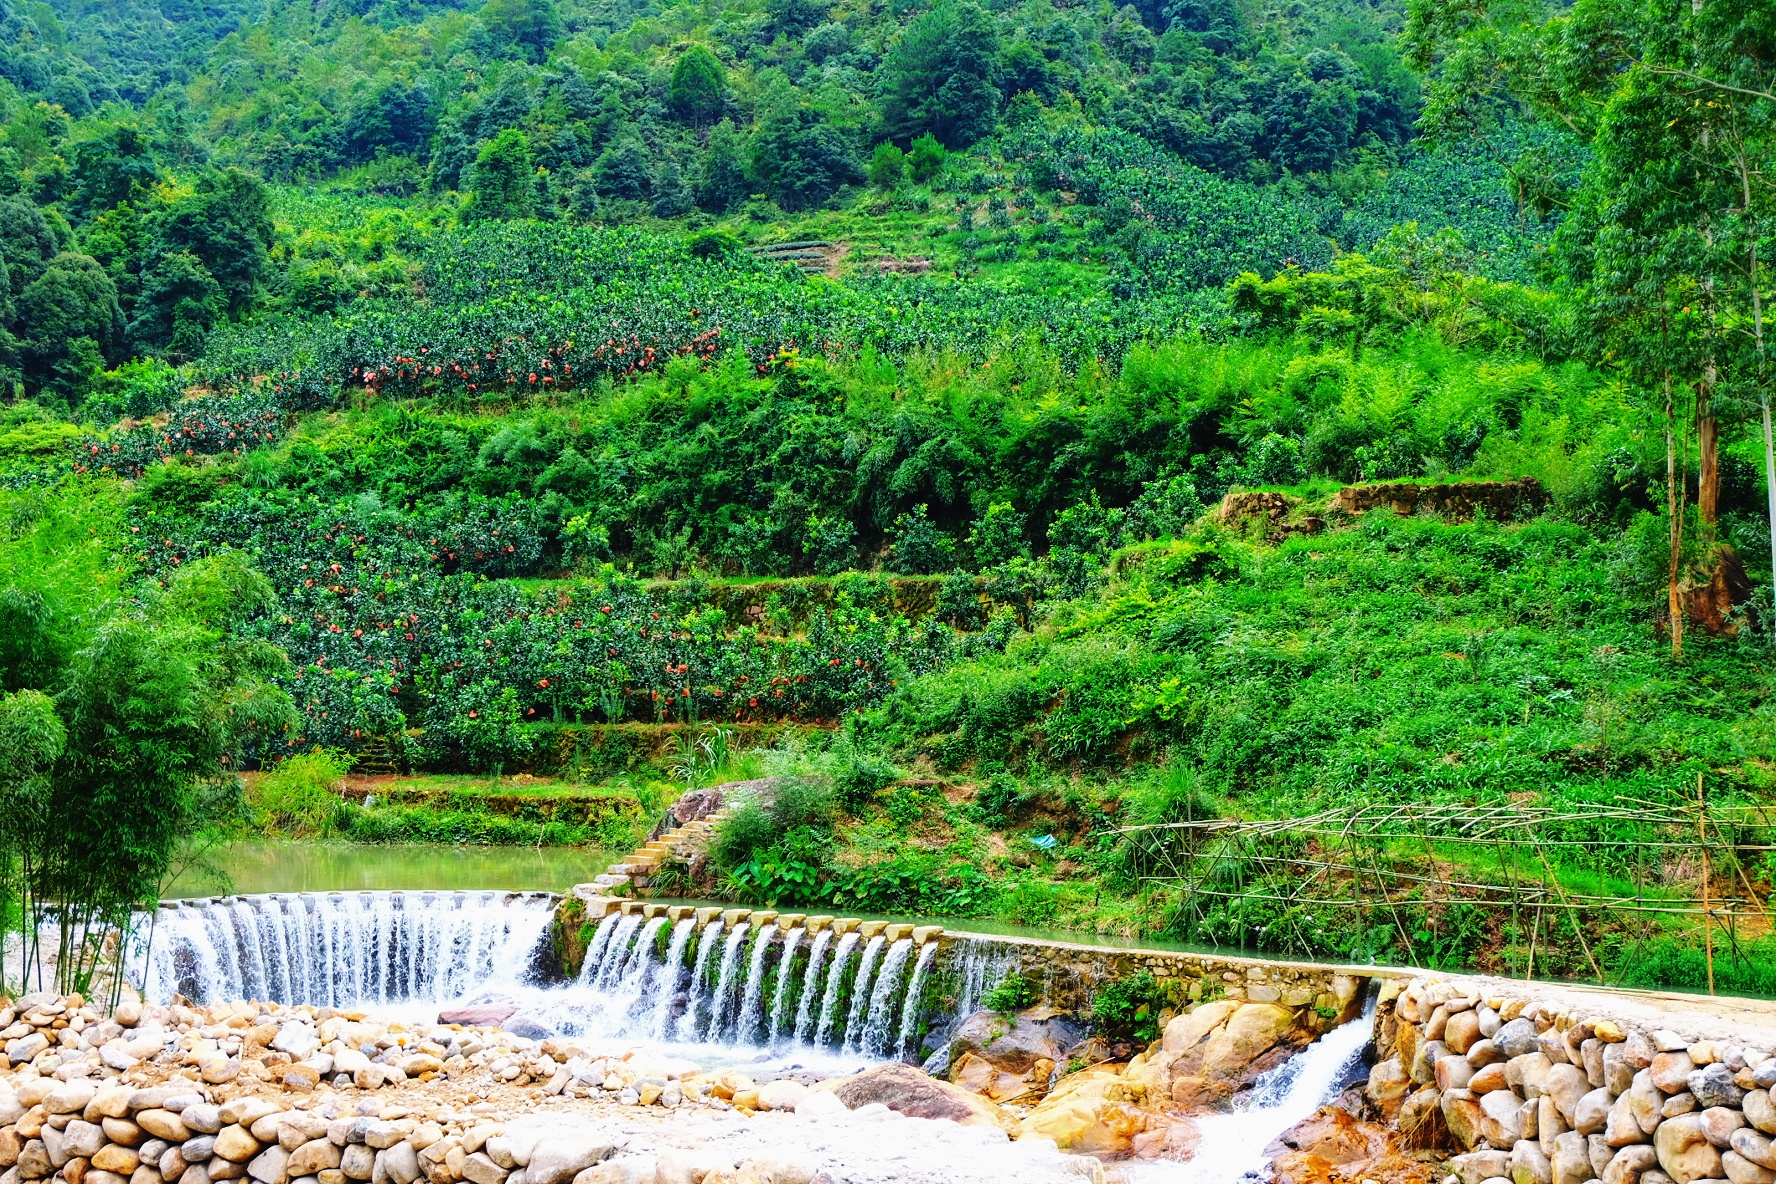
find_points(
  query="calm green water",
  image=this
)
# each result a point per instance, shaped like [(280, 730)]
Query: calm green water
[(326, 867)]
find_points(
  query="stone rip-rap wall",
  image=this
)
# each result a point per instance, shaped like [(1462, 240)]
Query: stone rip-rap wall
[(1533, 1094)]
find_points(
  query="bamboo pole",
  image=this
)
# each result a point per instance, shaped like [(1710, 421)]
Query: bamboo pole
[(1702, 841)]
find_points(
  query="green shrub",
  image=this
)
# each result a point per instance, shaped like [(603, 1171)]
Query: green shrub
[(1011, 994), (300, 796), (1128, 1008)]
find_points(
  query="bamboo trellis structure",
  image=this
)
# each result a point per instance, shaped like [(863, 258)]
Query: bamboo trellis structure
[(1391, 862)]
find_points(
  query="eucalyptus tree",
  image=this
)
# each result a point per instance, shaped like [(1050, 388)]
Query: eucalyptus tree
[(1669, 233)]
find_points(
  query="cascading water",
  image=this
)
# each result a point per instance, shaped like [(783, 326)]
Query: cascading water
[(706, 943), (718, 1007), (785, 967), (909, 1011), (1233, 1144), (835, 977), (595, 951), (666, 985), (342, 949), (747, 1028), (860, 993), (810, 985), (884, 1003)]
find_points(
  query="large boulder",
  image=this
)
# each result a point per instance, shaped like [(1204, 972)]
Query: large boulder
[(1097, 1111), (1207, 1055), (916, 1094), (1331, 1147), (1005, 1058)]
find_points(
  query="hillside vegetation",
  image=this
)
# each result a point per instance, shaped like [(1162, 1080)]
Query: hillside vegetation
[(941, 408)]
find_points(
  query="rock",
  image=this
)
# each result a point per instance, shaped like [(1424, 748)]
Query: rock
[(1463, 1116), (1476, 1166), (1421, 1119), (1719, 1123), (163, 1124), (478, 1169), (1618, 1068), (1092, 1112), (83, 1139), (402, 1163), (1454, 1072), (312, 1157), (1622, 1127), (218, 1069), (911, 1092), (1759, 1111), (234, 1144), (198, 1148), (1713, 1085), (561, 1155), (1684, 1151), (822, 1105), (1571, 1161), (1644, 1099), (1758, 1148), (1549, 1124), (1566, 1085), (1742, 1171), (113, 1158), (1503, 1124), (1628, 1164), (357, 1161), (1516, 1038), (1763, 1073), (1684, 1103), (782, 1095), (301, 1078), (298, 1040), (1484, 1053), (1488, 1079), (1333, 1146), (1462, 1030), (1592, 1113), (270, 1166), (1607, 1031), (484, 1015), (1251, 1031), (1016, 1046), (1529, 1165), (1671, 1071), (70, 1098), (1388, 1086), (203, 1118)]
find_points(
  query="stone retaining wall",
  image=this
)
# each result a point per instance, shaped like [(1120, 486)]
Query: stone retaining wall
[(1070, 973), (1535, 1092)]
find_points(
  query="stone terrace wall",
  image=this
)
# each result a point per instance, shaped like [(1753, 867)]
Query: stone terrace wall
[(1551, 1092), (1070, 973)]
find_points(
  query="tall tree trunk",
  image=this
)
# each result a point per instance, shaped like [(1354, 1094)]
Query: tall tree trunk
[(1707, 427), (1674, 510)]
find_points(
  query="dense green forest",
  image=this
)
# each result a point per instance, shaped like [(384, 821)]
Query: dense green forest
[(430, 384)]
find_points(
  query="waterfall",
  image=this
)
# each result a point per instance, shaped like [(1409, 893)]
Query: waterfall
[(909, 1012), (706, 942), (834, 978), (746, 1031), (612, 969), (595, 951), (884, 1006), (785, 964), (1233, 1144), (811, 984), (860, 995), (718, 1006), (341, 949), (666, 983), (983, 964)]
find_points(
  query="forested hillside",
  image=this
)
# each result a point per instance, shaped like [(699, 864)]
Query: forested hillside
[(965, 390)]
